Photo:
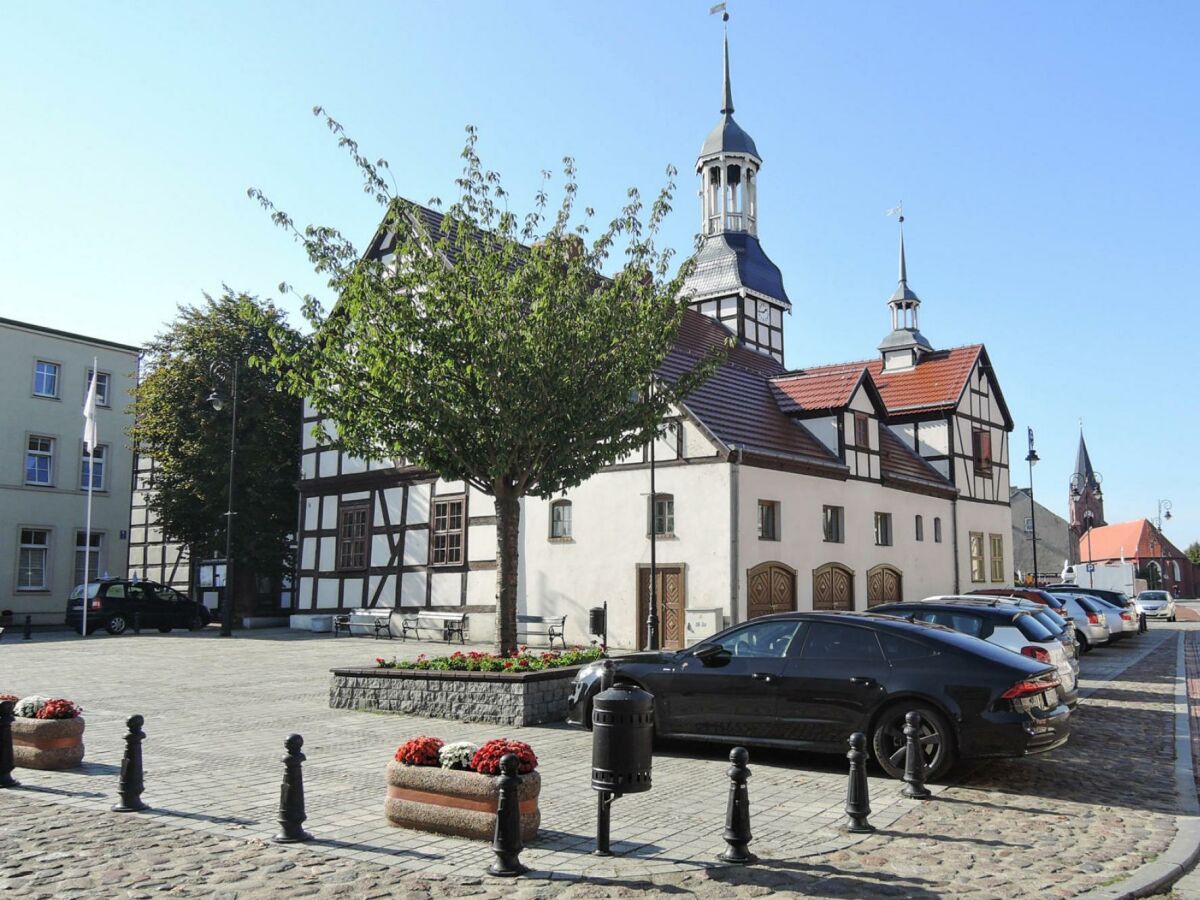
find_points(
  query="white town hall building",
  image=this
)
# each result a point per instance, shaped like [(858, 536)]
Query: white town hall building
[(832, 487)]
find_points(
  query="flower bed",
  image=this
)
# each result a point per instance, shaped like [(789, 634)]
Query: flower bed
[(451, 788), (47, 733), (524, 689)]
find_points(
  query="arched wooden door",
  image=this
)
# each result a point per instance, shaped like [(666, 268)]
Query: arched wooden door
[(884, 585), (833, 587), (771, 588)]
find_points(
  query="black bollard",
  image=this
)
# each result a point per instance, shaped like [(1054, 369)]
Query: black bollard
[(858, 800), (914, 759), (737, 812), (604, 801), (28, 635), (291, 795), (6, 750), (132, 783), (507, 842)]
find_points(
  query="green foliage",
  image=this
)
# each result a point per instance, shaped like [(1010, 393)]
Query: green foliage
[(189, 441), (1193, 552), (487, 347), (474, 661)]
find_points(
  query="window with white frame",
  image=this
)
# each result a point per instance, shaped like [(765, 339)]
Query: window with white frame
[(662, 515), (103, 380), (560, 520), (39, 460), (448, 528), (834, 523), (768, 520), (997, 558), (93, 558), (883, 529), (92, 468), (32, 559), (978, 570), (45, 379)]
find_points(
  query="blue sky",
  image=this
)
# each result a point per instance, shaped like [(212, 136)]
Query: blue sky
[(1046, 155)]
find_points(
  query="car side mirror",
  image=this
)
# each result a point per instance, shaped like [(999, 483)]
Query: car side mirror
[(709, 654)]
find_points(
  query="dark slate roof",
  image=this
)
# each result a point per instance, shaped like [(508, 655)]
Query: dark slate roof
[(1083, 463), (737, 405), (903, 466), (905, 337), (728, 137), (732, 261)]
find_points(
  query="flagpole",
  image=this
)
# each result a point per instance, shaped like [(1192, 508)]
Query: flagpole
[(89, 447)]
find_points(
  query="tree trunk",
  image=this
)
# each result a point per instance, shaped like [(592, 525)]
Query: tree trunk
[(508, 553)]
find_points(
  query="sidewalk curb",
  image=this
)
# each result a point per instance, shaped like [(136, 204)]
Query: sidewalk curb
[(1184, 850)]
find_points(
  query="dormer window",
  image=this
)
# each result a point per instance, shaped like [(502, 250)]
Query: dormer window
[(862, 430)]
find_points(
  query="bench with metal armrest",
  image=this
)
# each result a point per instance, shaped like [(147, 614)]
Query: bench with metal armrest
[(551, 626), (452, 625)]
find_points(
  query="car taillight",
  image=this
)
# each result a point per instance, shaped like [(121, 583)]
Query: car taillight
[(96, 605), (1028, 688), (1127, 617), (1094, 618), (1041, 654)]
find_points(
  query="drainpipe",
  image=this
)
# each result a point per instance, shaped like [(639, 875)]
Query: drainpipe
[(735, 455), (954, 531)]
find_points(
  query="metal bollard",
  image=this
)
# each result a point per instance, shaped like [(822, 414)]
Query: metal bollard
[(132, 782), (28, 635), (858, 800), (914, 759), (291, 795), (137, 622), (604, 801), (737, 812), (6, 747), (507, 842)]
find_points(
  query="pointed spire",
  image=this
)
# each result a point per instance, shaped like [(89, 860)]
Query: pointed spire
[(903, 267), (727, 108), (1083, 462)]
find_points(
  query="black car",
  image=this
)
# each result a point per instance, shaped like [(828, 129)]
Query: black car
[(117, 604), (811, 679)]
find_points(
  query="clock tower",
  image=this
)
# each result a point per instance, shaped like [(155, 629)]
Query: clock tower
[(733, 280)]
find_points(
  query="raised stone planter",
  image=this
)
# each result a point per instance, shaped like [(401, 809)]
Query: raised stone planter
[(503, 698), (449, 801), (47, 743)]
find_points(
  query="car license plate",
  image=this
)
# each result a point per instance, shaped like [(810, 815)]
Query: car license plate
[(1051, 698)]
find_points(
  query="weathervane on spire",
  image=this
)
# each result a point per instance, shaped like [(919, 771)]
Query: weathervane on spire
[(719, 8)]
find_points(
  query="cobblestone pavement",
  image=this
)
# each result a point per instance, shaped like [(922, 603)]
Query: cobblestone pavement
[(217, 711)]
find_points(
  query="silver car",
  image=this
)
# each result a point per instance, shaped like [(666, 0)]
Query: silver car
[(1091, 624), (1112, 616), (1156, 605)]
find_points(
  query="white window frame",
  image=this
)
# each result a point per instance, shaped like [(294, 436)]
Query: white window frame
[(838, 522), (97, 550), (46, 454), (560, 520), (58, 369), (43, 548), (105, 378), (85, 461), (668, 515), (883, 530)]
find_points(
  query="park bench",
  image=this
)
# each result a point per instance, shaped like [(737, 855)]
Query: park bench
[(380, 622), (451, 624), (550, 626)]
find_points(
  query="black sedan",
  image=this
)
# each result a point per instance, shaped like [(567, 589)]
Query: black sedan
[(809, 680), (117, 604)]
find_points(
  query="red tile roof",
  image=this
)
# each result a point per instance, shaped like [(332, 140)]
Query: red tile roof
[(817, 390), (1135, 539), (936, 382)]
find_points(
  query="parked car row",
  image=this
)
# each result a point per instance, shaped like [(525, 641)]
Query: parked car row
[(993, 673)]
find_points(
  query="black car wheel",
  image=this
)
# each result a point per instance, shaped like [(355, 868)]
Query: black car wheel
[(937, 741), (1084, 644), (198, 622), (165, 629), (116, 624)]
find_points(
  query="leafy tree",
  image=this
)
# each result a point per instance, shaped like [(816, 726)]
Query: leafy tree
[(176, 425), (1193, 552), (487, 347)]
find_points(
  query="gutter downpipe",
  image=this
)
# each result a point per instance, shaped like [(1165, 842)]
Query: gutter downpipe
[(954, 531), (735, 455)]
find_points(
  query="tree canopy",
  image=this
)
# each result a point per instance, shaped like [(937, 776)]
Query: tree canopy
[(1193, 552), (177, 426), (488, 347)]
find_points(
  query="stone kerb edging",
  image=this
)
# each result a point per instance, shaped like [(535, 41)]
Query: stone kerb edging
[(502, 698), (1184, 850)]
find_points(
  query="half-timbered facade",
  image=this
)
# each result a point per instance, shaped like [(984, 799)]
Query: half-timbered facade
[(830, 487)]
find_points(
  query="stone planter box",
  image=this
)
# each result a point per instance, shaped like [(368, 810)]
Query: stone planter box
[(47, 743), (502, 698), (448, 801)]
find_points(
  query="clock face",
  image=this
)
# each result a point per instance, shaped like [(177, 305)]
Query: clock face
[(764, 310)]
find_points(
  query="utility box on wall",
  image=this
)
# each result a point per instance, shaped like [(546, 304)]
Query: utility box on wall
[(700, 624)]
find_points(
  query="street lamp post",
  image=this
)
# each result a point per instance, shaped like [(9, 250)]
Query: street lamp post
[(652, 615), (1080, 481), (218, 403), (1032, 459), (1164, 513)]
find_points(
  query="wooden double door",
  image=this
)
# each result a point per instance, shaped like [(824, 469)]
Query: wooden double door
[(771, 588), (833, 587), (669, 591), (885, 584)]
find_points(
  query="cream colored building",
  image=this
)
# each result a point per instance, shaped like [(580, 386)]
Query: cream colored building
[(44, 377)]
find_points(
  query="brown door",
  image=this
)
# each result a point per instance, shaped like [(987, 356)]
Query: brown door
[(833, 587), (670, 594), (771, 588), (884, 586)]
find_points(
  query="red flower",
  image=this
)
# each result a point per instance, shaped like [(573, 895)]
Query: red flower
[(524, 663), (58, 709), (379, 660), (508, 664), (487, 758), (420, 751)]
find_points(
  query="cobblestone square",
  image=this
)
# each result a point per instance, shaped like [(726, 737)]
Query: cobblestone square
[(217, 712)]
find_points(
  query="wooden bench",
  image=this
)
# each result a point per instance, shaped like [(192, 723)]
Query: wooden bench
[(550, 626), (381, 622), (451, 624)]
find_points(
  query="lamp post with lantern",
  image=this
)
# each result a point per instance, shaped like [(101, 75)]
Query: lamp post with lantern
[(1164, 514), (1032, 459), (229, 376)]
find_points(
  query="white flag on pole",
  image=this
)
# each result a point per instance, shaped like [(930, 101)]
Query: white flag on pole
[(89, 415)]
